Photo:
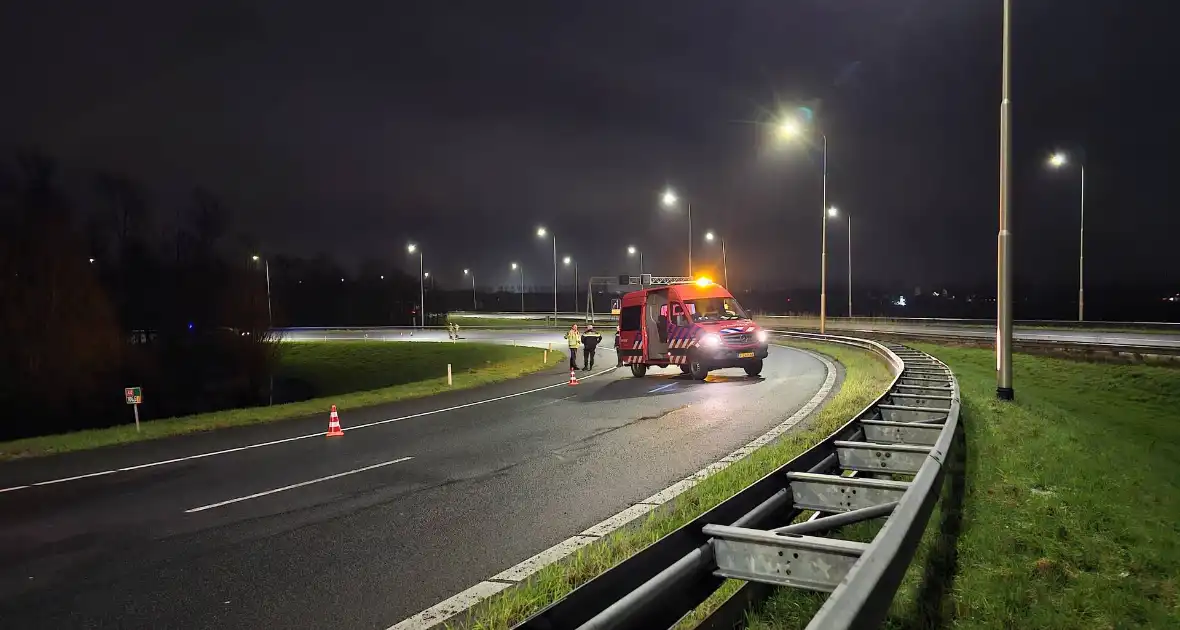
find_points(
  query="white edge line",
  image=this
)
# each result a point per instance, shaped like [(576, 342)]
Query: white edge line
[(464, 601), (302, 437), (296, 485)]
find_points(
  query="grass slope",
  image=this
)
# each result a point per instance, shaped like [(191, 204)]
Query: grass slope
[(348, 374), (1066, 516), (866, 378)]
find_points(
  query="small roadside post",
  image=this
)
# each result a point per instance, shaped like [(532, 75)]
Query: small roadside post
[(134, 396)]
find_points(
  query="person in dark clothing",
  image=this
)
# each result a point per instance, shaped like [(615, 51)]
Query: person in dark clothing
[(590, 341)]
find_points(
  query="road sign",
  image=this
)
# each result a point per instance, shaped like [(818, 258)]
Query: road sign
[(616, 306), (134, 395)]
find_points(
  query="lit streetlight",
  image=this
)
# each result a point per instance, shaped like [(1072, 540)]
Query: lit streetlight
[(567, 261), (833, 213), (541, 234), (1058, 160), (270, 318), (710, 237), (468, 272), (632, 251), (412, 248), (670, 200), (521, 268), (92, 261), (791, 129)]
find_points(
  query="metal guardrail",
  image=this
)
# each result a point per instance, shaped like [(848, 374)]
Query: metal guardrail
[(908, 430)]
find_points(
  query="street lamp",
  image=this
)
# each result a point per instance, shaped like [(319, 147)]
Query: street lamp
[(670, 200), (270, 318), (1058, 160), (521, 268), (1004, 237), (427, 276), (567, 261), (632, 251), (790, 129), (832, 212), (468, 272), (541, 234), (710, 236), (421, 285)]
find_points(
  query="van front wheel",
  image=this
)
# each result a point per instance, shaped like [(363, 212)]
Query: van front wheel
[(638, 370), (753, 368), (698, 370)]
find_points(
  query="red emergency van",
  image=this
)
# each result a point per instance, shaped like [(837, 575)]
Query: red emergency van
[(697, 326)]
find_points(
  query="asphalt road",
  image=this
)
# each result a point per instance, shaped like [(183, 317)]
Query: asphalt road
[(345, 532), (1119, 338)]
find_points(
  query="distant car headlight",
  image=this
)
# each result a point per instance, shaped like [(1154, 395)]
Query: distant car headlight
[(711, 340), (762, 336)]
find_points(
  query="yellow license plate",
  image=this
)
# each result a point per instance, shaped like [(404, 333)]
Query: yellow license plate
[(745, 355)]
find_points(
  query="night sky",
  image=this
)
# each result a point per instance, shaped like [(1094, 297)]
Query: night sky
[(356, 127)]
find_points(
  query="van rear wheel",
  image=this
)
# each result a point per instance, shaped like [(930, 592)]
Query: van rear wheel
[(638, 370)]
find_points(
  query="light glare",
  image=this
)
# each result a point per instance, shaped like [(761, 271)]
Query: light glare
[(1057, 160), (540, 231), (567, 260), (669, 198), (631, 250)]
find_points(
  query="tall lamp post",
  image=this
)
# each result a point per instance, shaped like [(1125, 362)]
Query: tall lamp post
[(468, 272), (710, 236), (541, 233), (1058, 160), (567, 261), (791, 129), (632, 251), (670, 200), (421, 285), (521, 268), (833, 213), (1004, 237), (270, 316)]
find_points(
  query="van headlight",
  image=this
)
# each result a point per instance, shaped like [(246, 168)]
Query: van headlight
[(762, 336), (711, 340)]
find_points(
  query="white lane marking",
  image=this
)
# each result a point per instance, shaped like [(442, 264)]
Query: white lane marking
[(75, 478), (435, 615), (662, 387), (296, 485), (304, 437)]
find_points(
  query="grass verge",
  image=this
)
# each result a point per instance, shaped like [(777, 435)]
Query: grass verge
[(866, 377), (1066, 515), (337, 369)]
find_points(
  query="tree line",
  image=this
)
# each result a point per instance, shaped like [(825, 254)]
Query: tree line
[(96, 294)]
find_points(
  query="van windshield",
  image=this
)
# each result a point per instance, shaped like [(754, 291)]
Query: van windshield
[(715, 309)]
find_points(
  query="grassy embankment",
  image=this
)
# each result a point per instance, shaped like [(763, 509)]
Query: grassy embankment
[(348, 374), (1066, 516), (866, 378)]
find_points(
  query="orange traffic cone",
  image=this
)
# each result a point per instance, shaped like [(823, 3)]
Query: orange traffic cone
[(573, 377), (334, 429)]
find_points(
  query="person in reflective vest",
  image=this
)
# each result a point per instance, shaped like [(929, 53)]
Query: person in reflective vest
[(618, 355), (574, 339), (589, 343)]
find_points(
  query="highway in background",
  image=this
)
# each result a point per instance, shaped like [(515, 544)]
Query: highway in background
[(1162, 339), (276, 526)]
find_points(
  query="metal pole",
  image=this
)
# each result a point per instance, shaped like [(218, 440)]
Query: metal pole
[(575, 286), (421, 291), (474, 302), (555, 277), (849, 266), (724, 267), (688, 204), (270, 314), (1081, 248), (522, 288), (1003, 245), (823, 262), (641, 267)]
